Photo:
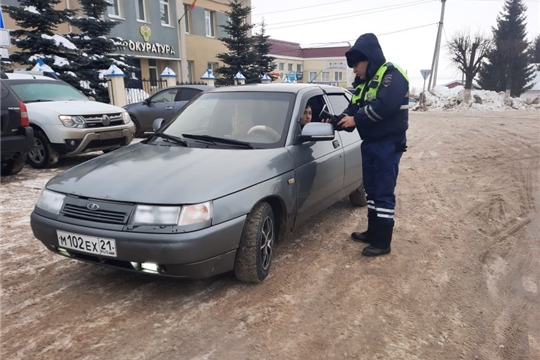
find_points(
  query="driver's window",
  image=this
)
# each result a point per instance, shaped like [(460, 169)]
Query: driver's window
[(165, 96), (312, 110)]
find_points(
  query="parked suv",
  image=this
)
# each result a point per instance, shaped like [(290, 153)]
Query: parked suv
[(65, 121), (17, 135)]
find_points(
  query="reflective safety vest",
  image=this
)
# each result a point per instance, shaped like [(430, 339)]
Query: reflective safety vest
[(375, 84)]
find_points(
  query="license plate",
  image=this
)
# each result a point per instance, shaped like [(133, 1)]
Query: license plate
[(110, 135), (87, 244)]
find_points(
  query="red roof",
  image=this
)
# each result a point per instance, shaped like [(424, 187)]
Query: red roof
[(288, 48)]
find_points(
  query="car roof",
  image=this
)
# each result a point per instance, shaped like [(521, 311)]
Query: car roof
[(190, 86), (26, 76), (290, 88)]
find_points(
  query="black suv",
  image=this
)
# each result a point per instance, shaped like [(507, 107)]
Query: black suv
[(17, 135)]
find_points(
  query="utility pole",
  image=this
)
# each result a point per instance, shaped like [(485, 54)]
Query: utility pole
[(435, 63)]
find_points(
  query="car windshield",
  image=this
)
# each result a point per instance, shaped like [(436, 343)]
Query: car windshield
[(257, 118), (47, 91)]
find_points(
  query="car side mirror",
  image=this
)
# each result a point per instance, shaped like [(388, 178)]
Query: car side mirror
[(157, 124), (316, 131), (146, 101)]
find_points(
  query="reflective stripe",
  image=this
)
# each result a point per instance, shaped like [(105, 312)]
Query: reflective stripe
[(391, 211), (374, 113), (371, 207), (369, 116), (371, 202), (385, 216)]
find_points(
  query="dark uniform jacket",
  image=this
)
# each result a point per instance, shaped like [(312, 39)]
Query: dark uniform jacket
[(384, 120)]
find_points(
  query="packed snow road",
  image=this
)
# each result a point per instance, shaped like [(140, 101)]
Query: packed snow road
[(461, 282)]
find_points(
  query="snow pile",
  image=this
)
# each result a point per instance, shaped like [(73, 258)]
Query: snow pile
[(441, 98)]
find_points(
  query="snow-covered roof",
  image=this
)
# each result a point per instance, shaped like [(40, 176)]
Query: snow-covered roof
[(208, 75), (113, 70), (239, 76), (42, 67), (168, 72)]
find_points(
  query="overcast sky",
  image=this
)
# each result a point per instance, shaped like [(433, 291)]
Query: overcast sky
[(407, 29)]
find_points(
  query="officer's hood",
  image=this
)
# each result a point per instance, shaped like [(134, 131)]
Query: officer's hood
[(366, 46)]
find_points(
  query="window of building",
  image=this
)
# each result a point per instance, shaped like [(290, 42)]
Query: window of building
[(338, 76), (187, 18), (326, 76), (289, 67), (190, 67), (114, 8), (152, 71), (212, 66), (165, 12), (312, 76), (140, 9), (281, 66), (298, 67), (209, 22)]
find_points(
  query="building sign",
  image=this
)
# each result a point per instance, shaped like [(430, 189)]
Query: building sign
[(147, 46), (336, 64)]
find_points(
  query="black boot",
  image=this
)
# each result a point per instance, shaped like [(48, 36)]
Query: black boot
[(368, 235), (381, 243)]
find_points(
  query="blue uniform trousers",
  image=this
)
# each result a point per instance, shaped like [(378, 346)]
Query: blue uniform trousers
[(380, 167)]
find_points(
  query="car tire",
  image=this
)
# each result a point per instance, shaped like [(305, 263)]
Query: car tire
[(138, 130), (13, 166), (254, 255), (42, 155), (358, 197)]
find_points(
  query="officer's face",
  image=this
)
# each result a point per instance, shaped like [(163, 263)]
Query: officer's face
[(360, 69)]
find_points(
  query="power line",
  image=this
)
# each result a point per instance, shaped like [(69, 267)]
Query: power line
[(301, 8), (349, 14), (347, 41)]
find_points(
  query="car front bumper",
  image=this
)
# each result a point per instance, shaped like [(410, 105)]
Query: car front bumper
[(197, 254)]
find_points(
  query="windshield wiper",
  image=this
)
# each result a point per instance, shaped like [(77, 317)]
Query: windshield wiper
[(38, 100), (172, 138), (214, 139)]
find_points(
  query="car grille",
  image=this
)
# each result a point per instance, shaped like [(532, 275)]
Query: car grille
[(95, 121), (100, 215)]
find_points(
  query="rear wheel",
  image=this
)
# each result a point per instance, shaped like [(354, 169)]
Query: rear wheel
[(13, 166), (254, 255), (42, 154), (358, 197)]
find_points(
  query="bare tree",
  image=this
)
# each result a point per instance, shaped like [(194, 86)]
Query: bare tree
[(468, 52)]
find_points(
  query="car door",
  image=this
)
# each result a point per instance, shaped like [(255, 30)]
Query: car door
[(351, 145), (318, 165), (184, 95), (160, 105)]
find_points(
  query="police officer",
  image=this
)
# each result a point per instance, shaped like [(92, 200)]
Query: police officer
[(379, 110)]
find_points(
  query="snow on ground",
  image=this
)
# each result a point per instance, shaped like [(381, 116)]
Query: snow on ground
[(442, 98)]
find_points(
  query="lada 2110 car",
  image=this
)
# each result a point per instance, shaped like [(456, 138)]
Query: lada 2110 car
[(212, 190)]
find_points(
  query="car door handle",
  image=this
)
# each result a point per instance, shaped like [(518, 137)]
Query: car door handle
[(168, 108), (335, 143)]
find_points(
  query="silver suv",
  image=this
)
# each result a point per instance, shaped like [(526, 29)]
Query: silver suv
[(65, 121)]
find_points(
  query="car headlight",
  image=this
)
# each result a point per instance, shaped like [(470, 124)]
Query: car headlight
[(126, 117), (72, 121), (171, 215), (193, 214), (155, 215), (50, 201)]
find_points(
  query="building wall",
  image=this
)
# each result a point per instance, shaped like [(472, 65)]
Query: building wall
[(202, 49), (287, 64), (328, 70)]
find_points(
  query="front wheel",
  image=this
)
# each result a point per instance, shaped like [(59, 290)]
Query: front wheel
[(254, 255), (42, 154)]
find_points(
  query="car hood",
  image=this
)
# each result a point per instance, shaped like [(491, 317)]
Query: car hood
[(157, 174), (74, 107)]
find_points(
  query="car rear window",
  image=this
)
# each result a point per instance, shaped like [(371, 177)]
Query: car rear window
[(46, 91)]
